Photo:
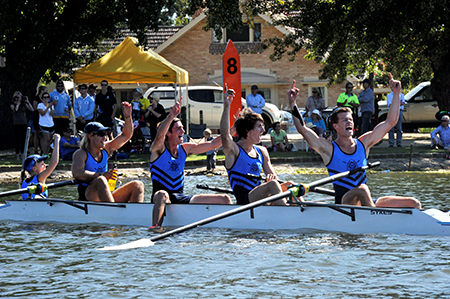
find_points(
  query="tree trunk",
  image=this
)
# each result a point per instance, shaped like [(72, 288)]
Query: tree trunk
[(440, 84)]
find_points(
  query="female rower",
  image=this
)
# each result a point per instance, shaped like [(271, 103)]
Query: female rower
[(38, 171)]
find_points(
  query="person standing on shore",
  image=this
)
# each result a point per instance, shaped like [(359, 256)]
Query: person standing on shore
[(398, 127), (61, 105), (347, 153)]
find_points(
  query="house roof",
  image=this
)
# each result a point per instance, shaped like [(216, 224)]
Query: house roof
[(154, 38)]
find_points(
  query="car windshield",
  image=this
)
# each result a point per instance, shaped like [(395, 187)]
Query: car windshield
[(414, 92)]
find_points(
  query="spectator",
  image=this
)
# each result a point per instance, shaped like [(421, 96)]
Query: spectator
[(279, 138), (210, 155), (68, 144), (39, 172), (316, 123), (19, 106), (37, 129), (137, 106), (255, 101), (105, 106), (46, 123), (349, 99), (366, 98), (83, 108), (313, 102), (154, 115), (91, 90), (398, 127), (61, 106), (443, 140)]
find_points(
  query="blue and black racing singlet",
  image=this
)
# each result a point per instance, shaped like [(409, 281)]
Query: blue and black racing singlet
[(168, 171), (243, 165), (34, 181), (341, 162), (94, 166)]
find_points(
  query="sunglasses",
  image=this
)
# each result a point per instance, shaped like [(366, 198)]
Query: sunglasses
[(104, 84), (100, 134), (46, 97)]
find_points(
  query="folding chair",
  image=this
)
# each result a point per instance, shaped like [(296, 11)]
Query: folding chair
[(196, 132)]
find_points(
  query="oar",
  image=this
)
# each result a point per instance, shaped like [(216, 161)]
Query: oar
[(39, 188), (214, 188), (314, 189), (297, 190)]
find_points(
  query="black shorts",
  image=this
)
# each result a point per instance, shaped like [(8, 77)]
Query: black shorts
[(178, 198), (82, 192)]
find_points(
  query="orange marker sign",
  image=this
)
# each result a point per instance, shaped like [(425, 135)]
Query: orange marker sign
[(231, 70)]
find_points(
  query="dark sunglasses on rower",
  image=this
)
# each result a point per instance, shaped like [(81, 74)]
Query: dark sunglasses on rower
[(100, 134)]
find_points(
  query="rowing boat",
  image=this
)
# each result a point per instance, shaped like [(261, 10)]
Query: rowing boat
[(310, 217)]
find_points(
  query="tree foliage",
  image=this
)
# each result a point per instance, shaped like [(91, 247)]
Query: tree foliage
[(43, 38), (354, 37)]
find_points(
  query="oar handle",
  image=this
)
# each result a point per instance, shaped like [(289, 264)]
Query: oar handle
[(302, 189), (39, 188)]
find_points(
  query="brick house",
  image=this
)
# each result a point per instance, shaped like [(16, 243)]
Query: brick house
[(200, 54)]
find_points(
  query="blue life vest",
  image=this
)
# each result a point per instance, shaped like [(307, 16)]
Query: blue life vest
[(94, 166), (27, 182), (168, 172), (240, 183), (341, 162)]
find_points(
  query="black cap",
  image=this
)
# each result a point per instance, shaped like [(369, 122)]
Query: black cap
[(254, 87), (95, 127), (92, 86)]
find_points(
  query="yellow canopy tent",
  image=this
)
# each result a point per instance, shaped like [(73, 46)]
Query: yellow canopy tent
[(128, 63)]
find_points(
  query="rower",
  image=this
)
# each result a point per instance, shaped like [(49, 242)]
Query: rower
[(244, 157), (167, 161), (38, 171), (90, 163), (347, 153)]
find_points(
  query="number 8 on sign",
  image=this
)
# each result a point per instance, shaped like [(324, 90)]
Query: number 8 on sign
[(231, 69)]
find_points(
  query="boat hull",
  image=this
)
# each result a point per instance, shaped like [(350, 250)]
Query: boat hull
[(335, 218)]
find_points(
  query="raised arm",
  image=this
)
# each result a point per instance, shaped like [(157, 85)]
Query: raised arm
[(53, 162), (318, 144), (127, 131), (158, 143), (373, 137), (230, 149)]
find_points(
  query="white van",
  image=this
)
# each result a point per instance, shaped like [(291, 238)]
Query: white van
[(206, 104)]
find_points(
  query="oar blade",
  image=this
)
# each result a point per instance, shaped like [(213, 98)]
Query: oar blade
[(142, 243)]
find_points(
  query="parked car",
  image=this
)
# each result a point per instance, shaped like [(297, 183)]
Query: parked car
[(206, 104), (419, 111)]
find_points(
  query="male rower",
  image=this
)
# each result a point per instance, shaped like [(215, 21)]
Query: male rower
[(244, 157), (347, 153), (90, 163), (167, 161)]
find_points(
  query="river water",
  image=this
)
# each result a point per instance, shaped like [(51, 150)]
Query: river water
[(60, 261)]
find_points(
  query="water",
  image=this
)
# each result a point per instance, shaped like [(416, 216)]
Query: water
[(60, 261)]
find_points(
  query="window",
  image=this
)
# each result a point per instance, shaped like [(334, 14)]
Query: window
[(164, 95), (244, 35), (205, 96), (265, 92)]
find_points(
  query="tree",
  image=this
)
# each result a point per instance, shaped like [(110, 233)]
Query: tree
[(352, 37), (44, 38)]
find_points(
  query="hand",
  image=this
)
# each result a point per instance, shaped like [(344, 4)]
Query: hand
[(292, 95), (271, 177), (175, 109), (127, 109), (56, 137), (110, 174), (228, 96), (395, 85)]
